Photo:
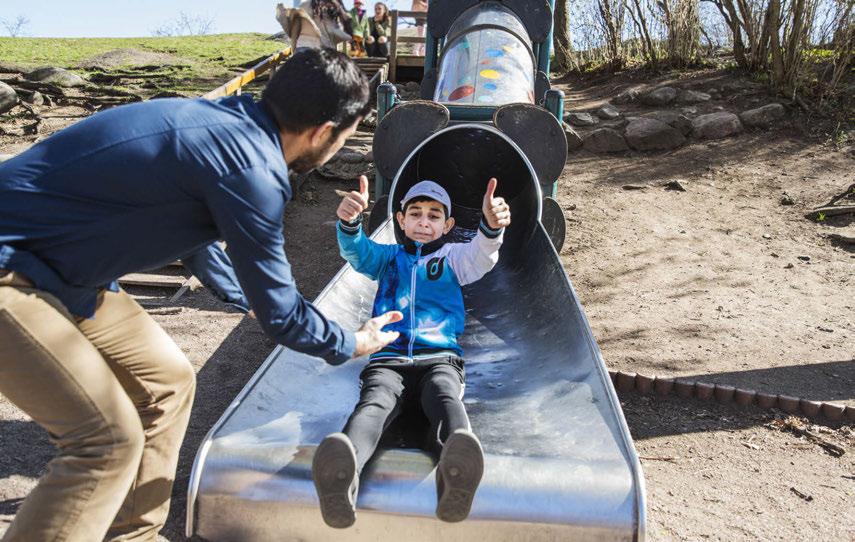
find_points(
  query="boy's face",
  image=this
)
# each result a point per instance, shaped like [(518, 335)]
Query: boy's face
[(424, 221)]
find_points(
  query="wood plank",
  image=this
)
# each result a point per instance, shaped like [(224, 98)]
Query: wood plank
[(152, 280), (393, 47), (234, 85), (411, 61), (411, 14)]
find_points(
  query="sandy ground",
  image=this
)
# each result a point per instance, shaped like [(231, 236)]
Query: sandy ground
[(695, 283)]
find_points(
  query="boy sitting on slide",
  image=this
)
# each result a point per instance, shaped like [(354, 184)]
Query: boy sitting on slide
[(422, 279)]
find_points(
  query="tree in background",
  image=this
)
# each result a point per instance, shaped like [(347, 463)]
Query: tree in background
[(186, 25), (561, 45), (16, 28), (612, 18), (803, 48), (683, 24)]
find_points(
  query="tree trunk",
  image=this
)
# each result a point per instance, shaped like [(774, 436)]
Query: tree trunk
[(613, 25), (640, 21), (731, 16), (561, 37), (772, 32)]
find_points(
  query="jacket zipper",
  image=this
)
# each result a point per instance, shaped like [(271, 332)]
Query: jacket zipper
[(413, 301)]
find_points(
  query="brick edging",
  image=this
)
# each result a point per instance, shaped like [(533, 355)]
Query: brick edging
[(686, 388)]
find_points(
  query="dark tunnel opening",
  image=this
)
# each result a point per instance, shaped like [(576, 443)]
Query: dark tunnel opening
[(462, 159)]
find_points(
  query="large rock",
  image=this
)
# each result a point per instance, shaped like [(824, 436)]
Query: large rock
[(574, 140), (627, 96), (716, 125), (35, 98), (736, 86), (693, 97), (672, 119), (56, 76), (645, 134), (608, 112), (604, 140), (8, 97), (581, 119), (762, 117), (617, 124), (345, 164), (660, 96)]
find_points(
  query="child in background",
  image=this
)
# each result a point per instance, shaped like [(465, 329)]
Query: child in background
[(422, 278)]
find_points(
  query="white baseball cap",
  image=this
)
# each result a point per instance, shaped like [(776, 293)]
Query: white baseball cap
[(431, 190)]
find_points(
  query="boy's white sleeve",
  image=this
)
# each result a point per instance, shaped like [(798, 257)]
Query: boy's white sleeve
[(471, 261)]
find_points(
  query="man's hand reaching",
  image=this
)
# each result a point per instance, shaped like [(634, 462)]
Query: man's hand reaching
[(370, 338)]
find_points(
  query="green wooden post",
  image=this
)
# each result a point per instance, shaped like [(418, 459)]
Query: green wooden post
[(386, 95), (554, 102), (543, 52)]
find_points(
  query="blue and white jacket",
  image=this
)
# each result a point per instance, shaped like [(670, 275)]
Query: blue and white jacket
[(423, 281)]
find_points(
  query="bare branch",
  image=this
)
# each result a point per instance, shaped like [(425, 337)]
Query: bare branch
[(16, 28)]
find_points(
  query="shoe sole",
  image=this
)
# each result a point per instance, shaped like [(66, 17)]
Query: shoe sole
[(333, 469), (461, 466)]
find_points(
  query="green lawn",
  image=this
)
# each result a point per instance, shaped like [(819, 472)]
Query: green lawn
[(206, 56)]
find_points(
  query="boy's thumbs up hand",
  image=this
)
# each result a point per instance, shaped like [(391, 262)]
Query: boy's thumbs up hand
[(363, 188), (497, 213), (354, 203)]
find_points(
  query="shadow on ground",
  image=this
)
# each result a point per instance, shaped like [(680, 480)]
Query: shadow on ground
[(218, 382)]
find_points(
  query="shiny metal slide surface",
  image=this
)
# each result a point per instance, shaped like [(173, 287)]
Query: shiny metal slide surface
[(559, 460)]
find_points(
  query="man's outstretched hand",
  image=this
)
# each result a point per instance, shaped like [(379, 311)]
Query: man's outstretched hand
[(370, 338), (354, 203), (497, 213)]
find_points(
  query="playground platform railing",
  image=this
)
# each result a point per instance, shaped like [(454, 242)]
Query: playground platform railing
[(395, 58), (234, 85)]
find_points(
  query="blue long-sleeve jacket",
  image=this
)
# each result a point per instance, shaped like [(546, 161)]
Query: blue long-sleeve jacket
[(423, 281), (138, 186), (215, 271)]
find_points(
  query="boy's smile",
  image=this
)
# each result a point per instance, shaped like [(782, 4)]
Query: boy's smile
[(424, 221)]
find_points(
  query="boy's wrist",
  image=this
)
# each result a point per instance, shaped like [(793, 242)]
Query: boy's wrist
[(350, 227), (488, 230)]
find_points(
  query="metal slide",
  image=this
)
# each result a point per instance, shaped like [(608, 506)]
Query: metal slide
[(560, 464)]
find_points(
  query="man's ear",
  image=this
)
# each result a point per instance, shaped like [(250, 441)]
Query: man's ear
[(320, 134), (400, 216), (449, 223)]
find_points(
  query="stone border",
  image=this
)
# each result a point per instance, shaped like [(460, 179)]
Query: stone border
[(691, 389)]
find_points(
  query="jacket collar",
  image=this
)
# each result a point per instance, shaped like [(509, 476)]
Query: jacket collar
[(427, 248)]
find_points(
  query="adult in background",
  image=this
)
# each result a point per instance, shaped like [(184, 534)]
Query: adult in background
[(133, 188), (315, 23), (379, 30), (420, 5)]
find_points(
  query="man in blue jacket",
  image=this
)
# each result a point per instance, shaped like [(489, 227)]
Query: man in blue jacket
[(133, 188)]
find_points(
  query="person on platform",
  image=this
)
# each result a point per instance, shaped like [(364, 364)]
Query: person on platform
[(379, 31)]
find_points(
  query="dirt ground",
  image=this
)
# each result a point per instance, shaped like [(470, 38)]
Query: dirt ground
[(705, 283)]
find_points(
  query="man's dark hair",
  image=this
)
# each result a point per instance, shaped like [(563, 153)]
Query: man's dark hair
[(420, 199), (316, 86)]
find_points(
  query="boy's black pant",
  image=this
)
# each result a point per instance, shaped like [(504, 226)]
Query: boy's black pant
[(435, 382)]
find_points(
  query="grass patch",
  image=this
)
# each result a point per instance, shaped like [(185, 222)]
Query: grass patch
[(212, 56)]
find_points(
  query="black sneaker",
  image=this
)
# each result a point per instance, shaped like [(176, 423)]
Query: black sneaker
[(334, 473), (461, 465)]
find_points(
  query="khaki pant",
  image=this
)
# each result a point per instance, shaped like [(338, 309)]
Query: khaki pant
[(114, 392)]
